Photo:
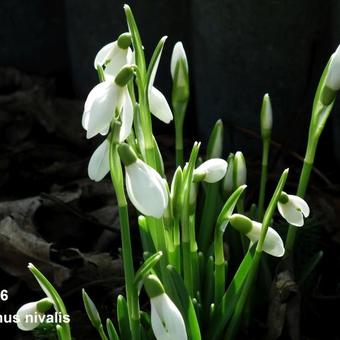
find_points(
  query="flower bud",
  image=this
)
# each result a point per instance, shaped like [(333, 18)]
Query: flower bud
[(124, 75), (215, 143), (176, 192), (124, 41), (91, 310), (228, 183), (266, 117), (240, 170), (332, 81)]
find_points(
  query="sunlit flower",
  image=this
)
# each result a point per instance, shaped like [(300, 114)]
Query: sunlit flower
[(273, 243), (28, 315), (293, 209), (212, 170), (166, 320), (144, 185), (106, 100)]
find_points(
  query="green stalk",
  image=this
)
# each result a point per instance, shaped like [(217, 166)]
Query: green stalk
[(219, 265), (179, 143), (264, 174), (129, 273), (241, 303)]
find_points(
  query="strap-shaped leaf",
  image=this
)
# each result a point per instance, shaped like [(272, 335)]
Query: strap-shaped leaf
[(123, 318), (111, 330)]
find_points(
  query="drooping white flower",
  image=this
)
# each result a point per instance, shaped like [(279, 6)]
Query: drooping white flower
[(144, 185), (166, 320), (273, 243), (158, 104), (293, 209), (212, 170), (106, 100), (113, 56), (30, 315), (99, 164)]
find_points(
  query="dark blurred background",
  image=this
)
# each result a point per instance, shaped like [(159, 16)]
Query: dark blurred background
[(237, 51)]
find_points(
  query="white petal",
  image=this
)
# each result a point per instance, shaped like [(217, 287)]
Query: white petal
[(289, 212), (166, 320), (159, 106), (27, 317), (214, 168), (119, 58), (146, 189), (100, 106), (104, 54), (273, 244), (99, 164), (300, 203), (126, 118), (333, 77)]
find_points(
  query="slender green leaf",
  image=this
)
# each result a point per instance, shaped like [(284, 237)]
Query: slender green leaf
[(111, 330), (123, 318)]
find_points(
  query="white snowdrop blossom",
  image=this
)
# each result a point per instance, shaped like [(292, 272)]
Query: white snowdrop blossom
[(212, 170), (112, 58), (29, 316), (146, 189), (166, 320), (99, 164), (293, 209), (273, 243), (158, 104)]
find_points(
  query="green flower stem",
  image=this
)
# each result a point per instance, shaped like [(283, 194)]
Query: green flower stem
[(219, 265), (102, 333), (264, 174), (129, 273), (179, 143), (177, 245), (208, 216), (242, 301), (193, 254)]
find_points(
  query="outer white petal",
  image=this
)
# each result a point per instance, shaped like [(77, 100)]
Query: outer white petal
[(214, 168), (99, 164), (166, 320), (100, 107), (178, 53), (24, 323), (289, 212), (300, 203), (159, 106), (146, 189), (104, 54), (273, 244), (126, 118), (119, 58), (333, 77)]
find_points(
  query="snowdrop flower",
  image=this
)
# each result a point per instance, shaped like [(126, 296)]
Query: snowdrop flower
[(266, 117), (159, 106), (228, 183), (273, 243), (240, 170), (106, 100), (166, 320), (28, 315), (144, 185), (113, 56), (293, 209), (211, 171), (332, 81)]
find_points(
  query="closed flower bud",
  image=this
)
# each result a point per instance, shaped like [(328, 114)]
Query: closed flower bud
[(211, 171), (215, 143), (28, 315), (332, 81), (145, 187), (293, 209), (266, 117), (273, 244), (228, 183), (240, 170), (166, 320)]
